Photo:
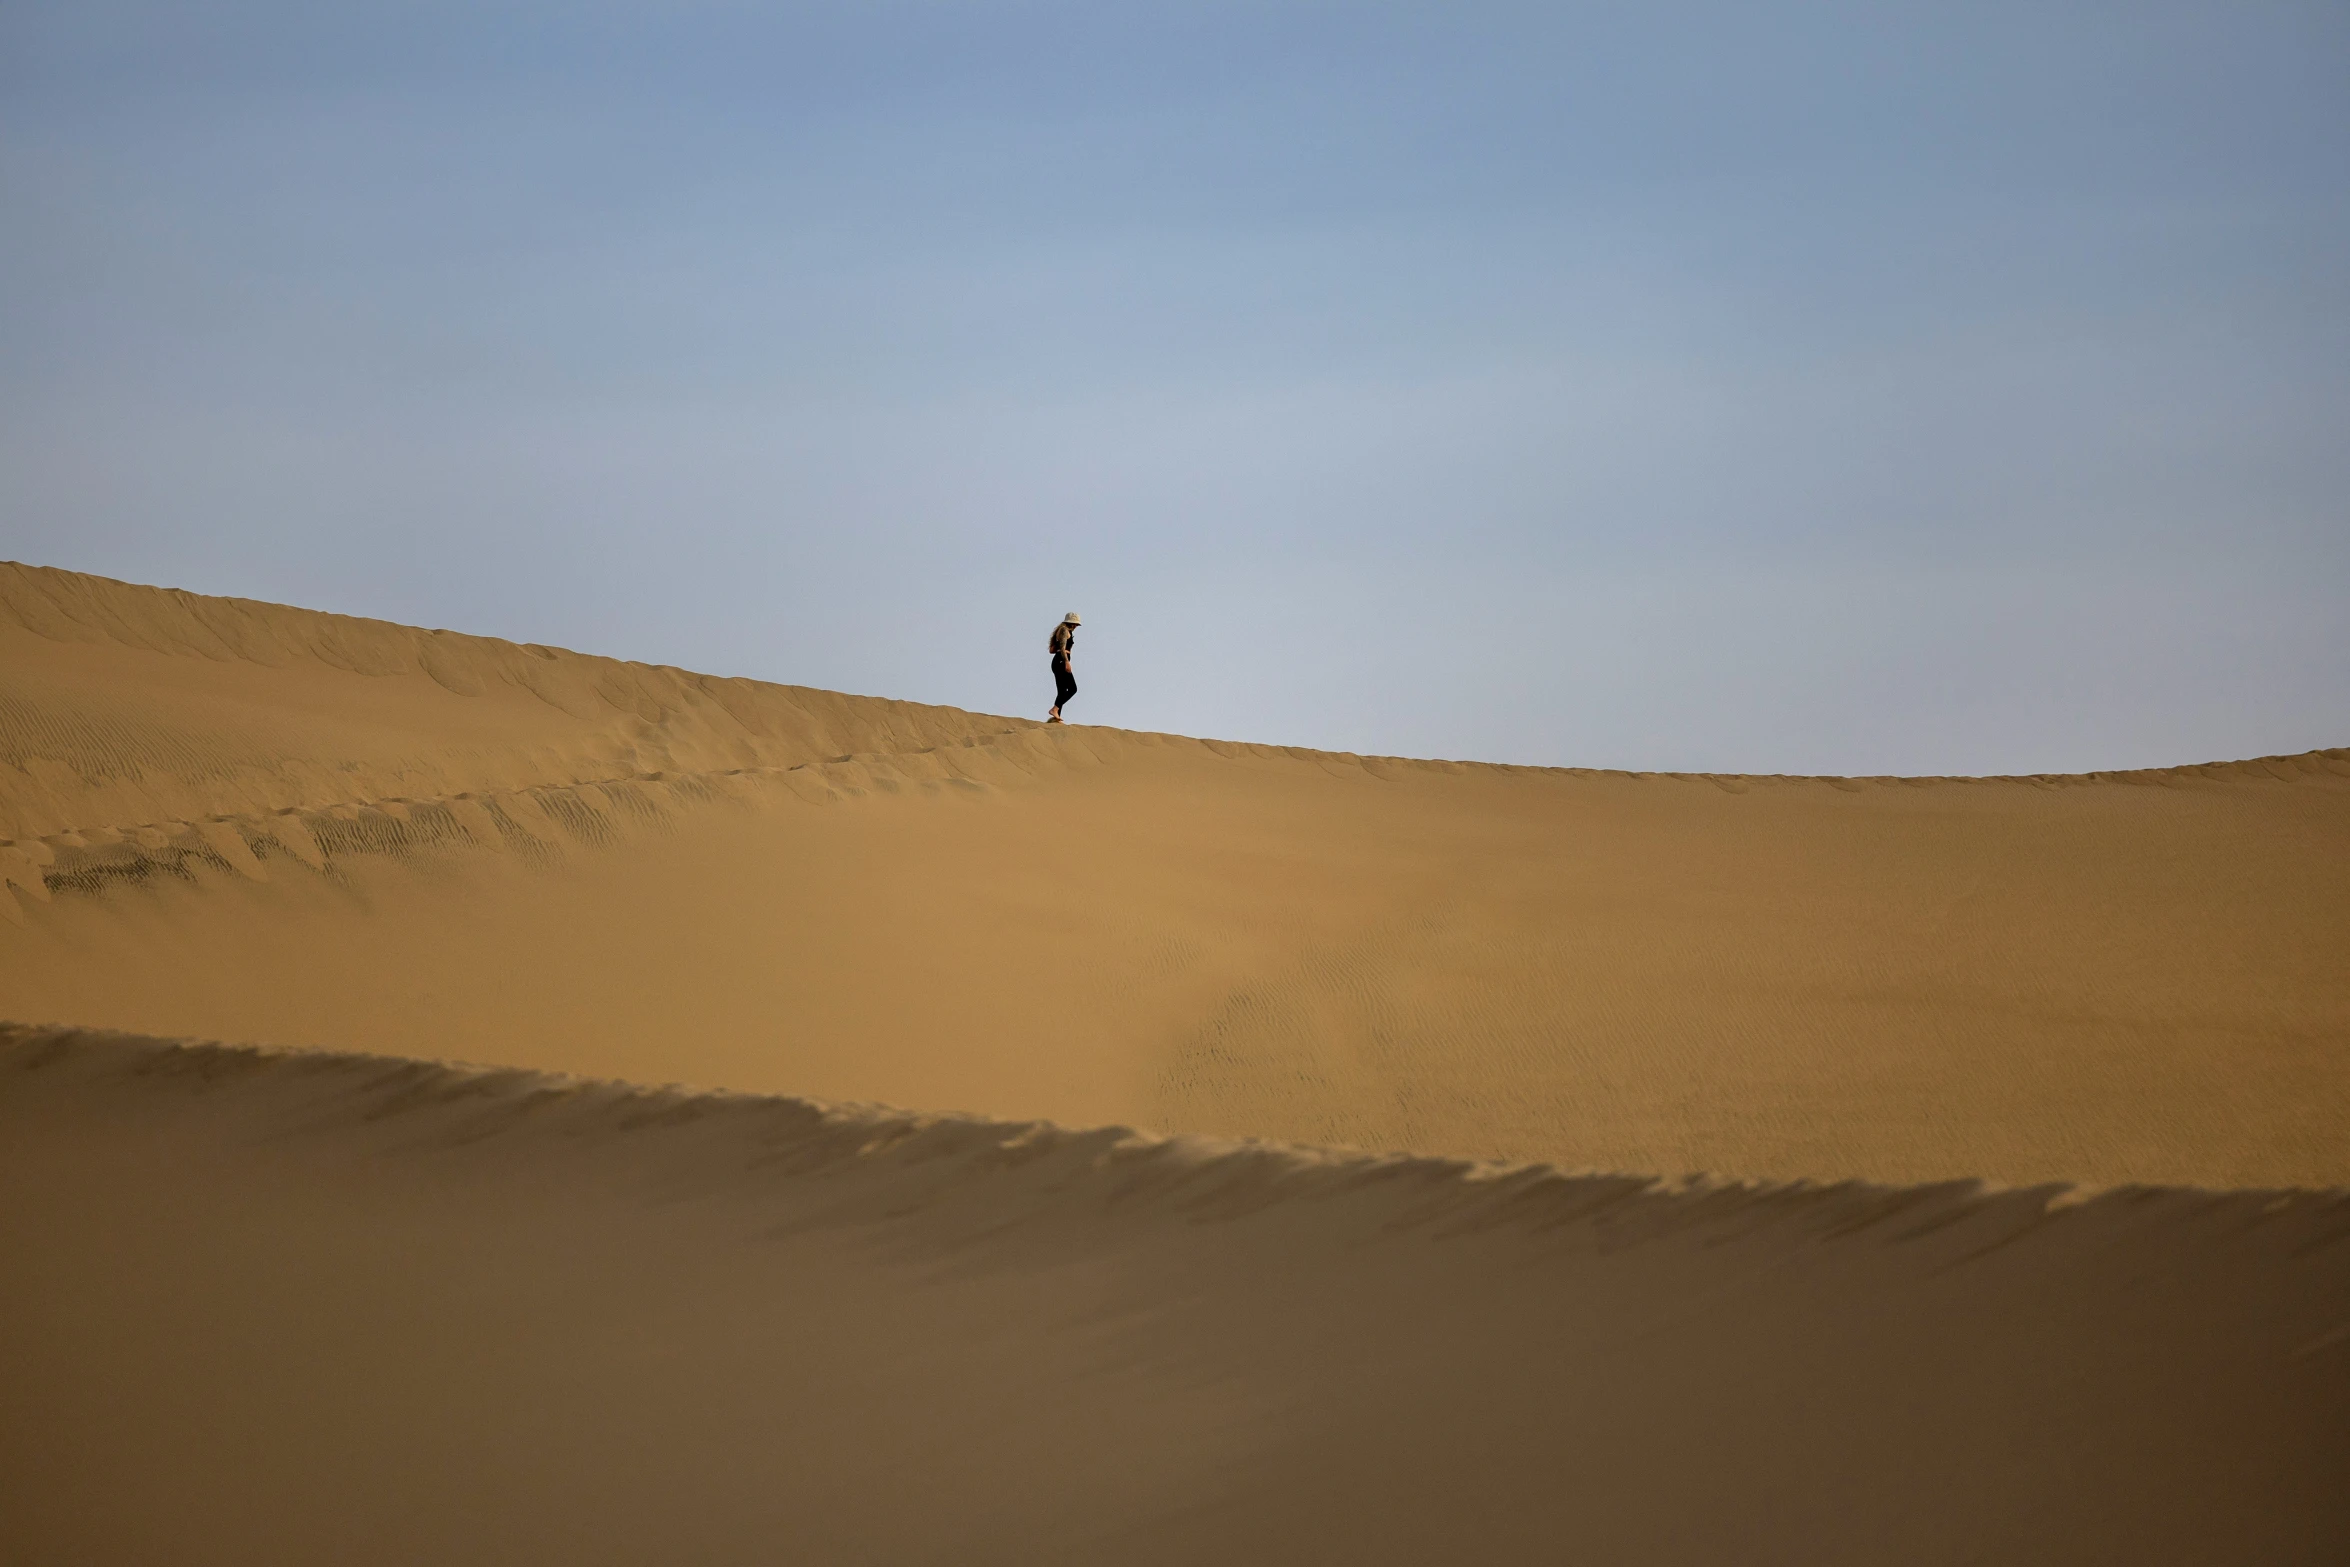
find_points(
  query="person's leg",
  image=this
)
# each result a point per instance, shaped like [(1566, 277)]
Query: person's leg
[(1064, 683)]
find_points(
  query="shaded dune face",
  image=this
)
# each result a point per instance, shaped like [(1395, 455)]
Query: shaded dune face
[(248, 822), (321, 1307)]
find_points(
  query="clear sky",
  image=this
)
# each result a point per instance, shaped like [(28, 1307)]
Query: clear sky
[(1854, 388)]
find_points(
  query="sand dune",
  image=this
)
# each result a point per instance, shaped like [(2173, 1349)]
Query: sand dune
[(309, 1305), (241, 821), (273, 1307), (128, 705)]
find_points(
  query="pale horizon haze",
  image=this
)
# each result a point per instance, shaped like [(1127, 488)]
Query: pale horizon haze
[(1786, 388)]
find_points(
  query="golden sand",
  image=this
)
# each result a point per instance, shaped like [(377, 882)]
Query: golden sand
[(329, 1307)]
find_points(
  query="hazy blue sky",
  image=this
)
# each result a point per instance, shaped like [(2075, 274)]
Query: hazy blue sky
[(1762, 387)]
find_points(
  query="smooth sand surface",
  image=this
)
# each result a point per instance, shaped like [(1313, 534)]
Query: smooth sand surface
[(327, 1308), (358, 1310), (244, 822)]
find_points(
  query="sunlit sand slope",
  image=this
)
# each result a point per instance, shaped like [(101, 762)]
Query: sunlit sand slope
[(280, 1308), (126, 704), (248, 822)]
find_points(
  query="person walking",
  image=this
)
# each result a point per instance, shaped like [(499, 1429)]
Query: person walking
[(1063, 647)]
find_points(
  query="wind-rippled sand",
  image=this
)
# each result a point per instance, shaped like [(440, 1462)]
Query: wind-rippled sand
[(2025, 1107)]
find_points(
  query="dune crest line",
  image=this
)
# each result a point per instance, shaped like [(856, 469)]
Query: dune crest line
[(512, 716), (370, 1309), (465, 1103)]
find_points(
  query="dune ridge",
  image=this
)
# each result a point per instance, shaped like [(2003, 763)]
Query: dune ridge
[(475, 1314), (642, 722), (236, 820), (239, 707), (935, 1153)]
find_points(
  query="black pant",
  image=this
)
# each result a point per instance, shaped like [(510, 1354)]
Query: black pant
[(1063, 682)]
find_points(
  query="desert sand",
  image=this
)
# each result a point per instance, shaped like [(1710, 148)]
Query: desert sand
[(1527, 1164)]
